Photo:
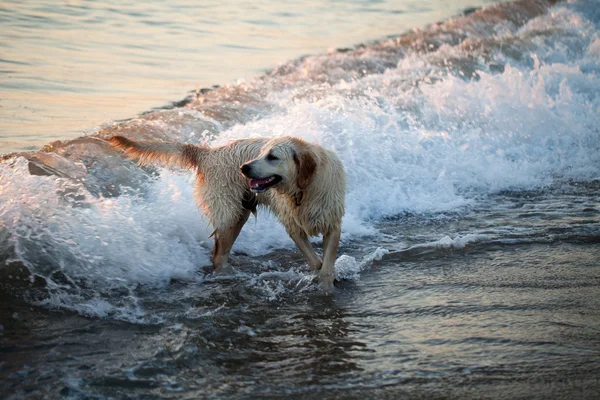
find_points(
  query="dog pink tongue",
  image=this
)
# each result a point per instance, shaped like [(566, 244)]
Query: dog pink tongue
[(259, 182)]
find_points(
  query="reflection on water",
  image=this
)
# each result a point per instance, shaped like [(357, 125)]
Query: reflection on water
[(311, 343), (68, 67), (468, 324), (469, 265)]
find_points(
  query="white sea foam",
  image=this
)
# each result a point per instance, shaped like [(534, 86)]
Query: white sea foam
[(459, 242), (346, 267), (414, 139), (59, 224)]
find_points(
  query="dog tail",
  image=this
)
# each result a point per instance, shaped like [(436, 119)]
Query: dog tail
[(181, 155)]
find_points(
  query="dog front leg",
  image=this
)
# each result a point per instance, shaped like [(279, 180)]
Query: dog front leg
[(224, 239), (311, 257), (331, 242)]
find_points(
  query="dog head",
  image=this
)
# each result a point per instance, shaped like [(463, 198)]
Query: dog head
[(283, 162)]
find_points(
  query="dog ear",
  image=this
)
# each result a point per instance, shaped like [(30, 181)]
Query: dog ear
[(306, 166)]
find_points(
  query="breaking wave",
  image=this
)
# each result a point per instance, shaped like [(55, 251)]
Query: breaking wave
[(505, 98)]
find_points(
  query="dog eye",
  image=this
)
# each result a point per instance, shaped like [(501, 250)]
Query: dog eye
[(271, 157)]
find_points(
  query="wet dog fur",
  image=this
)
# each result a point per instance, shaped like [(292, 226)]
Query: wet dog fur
[(301, 183)]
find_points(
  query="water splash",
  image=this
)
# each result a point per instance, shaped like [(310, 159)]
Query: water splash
[(420, 130)]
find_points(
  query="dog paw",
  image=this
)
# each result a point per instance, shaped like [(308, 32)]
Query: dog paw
[(224, 270), (326, 283)]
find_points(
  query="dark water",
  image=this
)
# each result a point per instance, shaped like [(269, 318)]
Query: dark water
[(501, 316), (470, 257)]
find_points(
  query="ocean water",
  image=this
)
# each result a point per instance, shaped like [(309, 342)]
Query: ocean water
[(68, 68), (469, 265)]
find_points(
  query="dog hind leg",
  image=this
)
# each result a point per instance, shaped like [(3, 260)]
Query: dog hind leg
[(224, 239)]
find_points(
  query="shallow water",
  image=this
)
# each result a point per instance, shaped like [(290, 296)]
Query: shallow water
[(461, 318), (469, 263)]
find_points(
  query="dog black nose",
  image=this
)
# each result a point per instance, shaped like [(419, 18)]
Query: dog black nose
[(245, 169)]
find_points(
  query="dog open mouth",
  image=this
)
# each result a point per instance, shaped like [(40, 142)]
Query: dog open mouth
[(262, 184)]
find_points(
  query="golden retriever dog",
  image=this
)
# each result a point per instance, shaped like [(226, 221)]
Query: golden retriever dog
[(301, 183)]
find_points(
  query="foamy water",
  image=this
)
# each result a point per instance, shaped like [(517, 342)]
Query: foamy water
[(468, 266), (421, 137)]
